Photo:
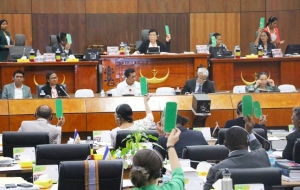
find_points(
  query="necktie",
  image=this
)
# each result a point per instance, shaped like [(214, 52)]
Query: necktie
[(200, 88)]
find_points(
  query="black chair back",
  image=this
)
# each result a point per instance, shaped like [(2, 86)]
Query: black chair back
[(296, 151), (72, 175), (55, 153), (11, 140), (267, 176), (200, 153), (259, 131), (121, 135)]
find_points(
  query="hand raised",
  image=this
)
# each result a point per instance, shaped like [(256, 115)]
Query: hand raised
[(168, 37), (249, 123)]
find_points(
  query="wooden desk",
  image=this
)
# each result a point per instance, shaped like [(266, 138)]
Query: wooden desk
[(78, 75), (181, 68), (227, 72)]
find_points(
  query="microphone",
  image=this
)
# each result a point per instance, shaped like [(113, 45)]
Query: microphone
[(263, 139), (47, 96), (64, 91)]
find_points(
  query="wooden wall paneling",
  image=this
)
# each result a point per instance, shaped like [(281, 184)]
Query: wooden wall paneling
[(44, 25), (58, 6), (249, 25), (288, 26), (6, 75), (277, 5), (201, 24), (163, 6), (253, 5), (19, 24), (111, 6), (222, 73), (16, 6), (290, 69), (85, 75), (179, 28), (214, 6), (220, 116), (111, 29)]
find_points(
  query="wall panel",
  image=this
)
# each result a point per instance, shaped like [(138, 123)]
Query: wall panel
[(179, 28), (201, 24), (275, 5), (44, 25), (15, 6), (163, 6), (19, 24), (253, 5), (58, 6), (214, 6), (111, 6)]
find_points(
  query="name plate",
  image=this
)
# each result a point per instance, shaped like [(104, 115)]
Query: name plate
[(112, 50), (201, 49), (24, 151)]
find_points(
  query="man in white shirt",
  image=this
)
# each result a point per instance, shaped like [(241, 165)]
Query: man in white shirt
[(17, 90), (129, 86)]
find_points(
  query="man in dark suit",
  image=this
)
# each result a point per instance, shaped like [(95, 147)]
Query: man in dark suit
[(237, 140), (291, 138), (186, 138), (62, 44), (200, 84)]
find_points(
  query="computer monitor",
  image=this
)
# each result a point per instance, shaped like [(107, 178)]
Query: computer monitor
[(217, 52), (292, 48), (153, 50)]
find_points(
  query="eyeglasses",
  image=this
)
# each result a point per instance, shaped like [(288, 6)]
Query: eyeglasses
[(53, 78), (19, 77), (263, 35)]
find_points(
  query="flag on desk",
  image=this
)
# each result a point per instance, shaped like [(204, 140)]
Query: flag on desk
[(106, 155), (76, 137)]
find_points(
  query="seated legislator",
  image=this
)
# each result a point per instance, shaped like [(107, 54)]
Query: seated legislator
[(264, 39), (292, 137), (186, 138), (62, 44), (153, 42), (237, 141), (129, 86), (200, 84), (263, 83), (239, 121), (43, 117), (124, 119), (219, 41), (16, 90), (52, 89)]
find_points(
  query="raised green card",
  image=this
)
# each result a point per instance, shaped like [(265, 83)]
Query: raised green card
[(247, 108), (257, 109), (69, 38), (170, 116), (59, 108), (262, 22), (167, 29)]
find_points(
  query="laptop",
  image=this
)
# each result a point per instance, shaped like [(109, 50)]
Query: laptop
[(217, 52), (278, 145), (92, 54)]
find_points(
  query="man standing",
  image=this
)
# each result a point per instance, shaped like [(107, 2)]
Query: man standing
[(237, 141), (200, 84), (43, 115), (129, 86), (16, 90), (62, 44)]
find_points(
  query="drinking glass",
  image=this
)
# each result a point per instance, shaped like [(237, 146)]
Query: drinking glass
[(63, 56), (265, 52)]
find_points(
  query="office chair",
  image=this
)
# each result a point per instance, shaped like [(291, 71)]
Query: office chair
[(11, 140), (16, 52), (72, 175), (296, 151), (200, 153), (163, 91), (287, 88), (121, 135), (145, 37), (253, 49), (20, 40), (55, 153), (259, 131), (267, 176), (84, 93)]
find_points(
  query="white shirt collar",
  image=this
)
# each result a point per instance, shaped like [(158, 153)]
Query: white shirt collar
[(16, 87)]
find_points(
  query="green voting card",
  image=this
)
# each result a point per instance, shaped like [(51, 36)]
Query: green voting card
[(59, 108), (213, 41), (262, 22), (247, 108), (69, 38), (144, 86), (167, 29), (170, 116), (257, 109)]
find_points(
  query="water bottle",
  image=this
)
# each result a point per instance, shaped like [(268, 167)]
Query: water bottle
[(57, 55), (31, 57), (238, 90), (260, 51), (177, 91), (90, 142), (102, 94), (173, 91), (237, 51), (226, 181), (39, 56), (122, 49), (42, 94)]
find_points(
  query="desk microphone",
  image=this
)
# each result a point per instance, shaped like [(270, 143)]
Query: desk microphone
[(64, 91), (263, 139), (47, 96)]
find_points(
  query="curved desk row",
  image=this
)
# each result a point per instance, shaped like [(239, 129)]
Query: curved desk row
[(88, 114)]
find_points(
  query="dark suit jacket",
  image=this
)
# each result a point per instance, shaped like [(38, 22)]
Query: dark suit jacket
[(240, 122), (258, 158), (269, 48), (58, 46), (190, 85), (288, 150), (186, 138), (3, 42), (145, 45), (60, 92)]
